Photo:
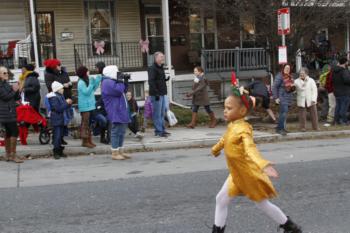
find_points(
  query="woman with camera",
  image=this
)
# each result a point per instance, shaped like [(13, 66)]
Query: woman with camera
[(113, 88), (86, 103)]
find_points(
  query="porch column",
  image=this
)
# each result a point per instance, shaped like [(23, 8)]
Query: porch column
[(347, 43), (34, 35), (166, 32)]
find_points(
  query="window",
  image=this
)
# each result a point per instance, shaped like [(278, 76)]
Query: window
[(248, 33), (100, 26), (137, 90)]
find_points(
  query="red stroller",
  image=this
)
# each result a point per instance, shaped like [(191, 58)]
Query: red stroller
[(26, 115)]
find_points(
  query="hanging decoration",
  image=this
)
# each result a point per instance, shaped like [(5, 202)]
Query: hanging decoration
[(99, 46)]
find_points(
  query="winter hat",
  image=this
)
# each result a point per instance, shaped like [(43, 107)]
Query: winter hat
[(111, 72), (52, 63), (56, 86)]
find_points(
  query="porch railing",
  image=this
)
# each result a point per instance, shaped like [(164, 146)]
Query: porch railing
[(221, 60), (16, 55), (126, 55)]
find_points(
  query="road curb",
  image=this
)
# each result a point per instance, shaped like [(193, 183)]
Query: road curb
[(183, 144)]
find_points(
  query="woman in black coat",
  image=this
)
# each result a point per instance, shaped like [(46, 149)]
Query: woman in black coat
[(31, 87), (8, 116)]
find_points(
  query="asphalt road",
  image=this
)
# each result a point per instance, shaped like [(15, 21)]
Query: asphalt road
[(315, 193)]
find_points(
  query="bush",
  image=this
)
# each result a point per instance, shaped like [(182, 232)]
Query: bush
[(184, 116)]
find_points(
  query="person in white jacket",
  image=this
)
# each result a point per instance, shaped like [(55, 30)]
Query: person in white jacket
[(306, 99)]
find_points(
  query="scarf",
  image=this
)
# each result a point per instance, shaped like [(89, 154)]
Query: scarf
[(288, 83)]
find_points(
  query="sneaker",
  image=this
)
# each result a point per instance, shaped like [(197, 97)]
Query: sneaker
[(161, 135), (166, 133), (281, 131), (139, 135), (327, 125)]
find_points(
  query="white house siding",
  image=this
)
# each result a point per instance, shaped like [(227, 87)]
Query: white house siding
[(12, 20), (68, 17), (129, 28)]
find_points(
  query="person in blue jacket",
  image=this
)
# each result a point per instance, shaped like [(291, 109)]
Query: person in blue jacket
[(58, 108), (86, 103)]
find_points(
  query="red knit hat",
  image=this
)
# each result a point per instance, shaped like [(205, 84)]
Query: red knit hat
[(52, 63)]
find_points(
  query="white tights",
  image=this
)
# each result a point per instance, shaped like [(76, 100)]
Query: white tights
[(223, 200)]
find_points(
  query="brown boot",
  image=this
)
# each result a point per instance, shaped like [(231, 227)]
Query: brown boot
[(85, 143), (122, 153), (116, 154), (193, 121), (90, 140), (212, 120), (7, 149), (13, 156)]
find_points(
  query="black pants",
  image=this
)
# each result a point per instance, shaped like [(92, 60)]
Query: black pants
[(134, 125), (11, 129), (196, 107)]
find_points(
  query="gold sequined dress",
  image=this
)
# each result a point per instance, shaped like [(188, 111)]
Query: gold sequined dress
[(244, 163)]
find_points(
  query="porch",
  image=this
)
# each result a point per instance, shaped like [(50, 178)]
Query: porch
[(248, 63)]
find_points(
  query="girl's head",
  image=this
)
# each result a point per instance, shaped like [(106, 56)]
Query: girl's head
[(198, 71), (57, 87), (237, 108), (4, 73), (129, 95), (83, 72), (28, 67)]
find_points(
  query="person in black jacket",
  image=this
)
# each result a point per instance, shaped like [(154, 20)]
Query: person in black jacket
[(54, 72), (31, 86), (258, 89), (341, 84), (157, 92), (8, 116)]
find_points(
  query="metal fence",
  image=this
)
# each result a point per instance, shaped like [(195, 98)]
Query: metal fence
[(221, 60), (15, 55), (126, 55)]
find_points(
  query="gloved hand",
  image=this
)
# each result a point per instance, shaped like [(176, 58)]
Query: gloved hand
[(157, 97)]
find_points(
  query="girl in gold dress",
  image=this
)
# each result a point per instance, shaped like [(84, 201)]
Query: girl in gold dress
[(249, 172)]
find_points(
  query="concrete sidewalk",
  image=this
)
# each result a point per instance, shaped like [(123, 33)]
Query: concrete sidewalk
[(180, 138)]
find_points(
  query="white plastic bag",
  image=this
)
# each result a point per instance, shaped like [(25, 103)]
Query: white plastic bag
[(171, 118)]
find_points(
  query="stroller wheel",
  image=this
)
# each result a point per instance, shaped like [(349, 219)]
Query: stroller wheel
[(44, 136)]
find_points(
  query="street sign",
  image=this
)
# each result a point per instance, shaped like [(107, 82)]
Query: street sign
[(283, 16), (282, 55)]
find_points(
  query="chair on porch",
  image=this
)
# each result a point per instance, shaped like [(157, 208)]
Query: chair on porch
[(7, 58)]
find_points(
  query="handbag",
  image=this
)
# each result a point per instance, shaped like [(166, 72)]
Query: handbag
[(171, 118)]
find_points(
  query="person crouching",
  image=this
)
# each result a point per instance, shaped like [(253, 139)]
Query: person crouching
[(58, 105), (113, 94)]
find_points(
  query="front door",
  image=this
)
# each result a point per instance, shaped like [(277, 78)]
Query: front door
[(46, 35)]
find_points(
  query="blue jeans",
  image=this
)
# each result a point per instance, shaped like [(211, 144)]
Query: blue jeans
[(57, 136), (158, 114), (282, 116), (341, 109), (118, 134)]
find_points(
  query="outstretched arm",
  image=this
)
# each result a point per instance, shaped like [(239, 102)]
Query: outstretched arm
[(215, 150)]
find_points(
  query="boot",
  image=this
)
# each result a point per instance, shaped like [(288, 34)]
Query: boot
[(116, 154), (218, 229), (56, 153), (193, 121), (85, 143), (13, 155), (290, 227), (212, 120), (63, 142), (90, 140), (63, 155), (7, 149), (122, 153)]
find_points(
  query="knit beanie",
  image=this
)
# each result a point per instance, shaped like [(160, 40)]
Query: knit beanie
[(56, 86), (111, 72)]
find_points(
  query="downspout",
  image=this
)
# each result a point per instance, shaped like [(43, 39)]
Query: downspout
[(34, 35), (347, 44), (166, 31)]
